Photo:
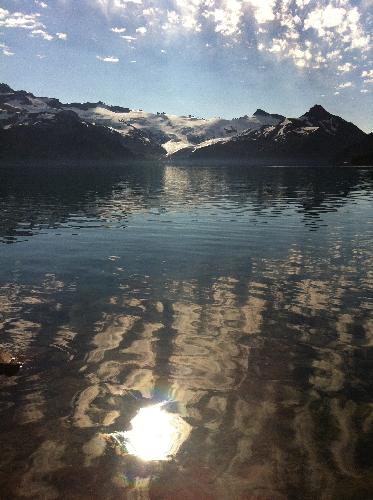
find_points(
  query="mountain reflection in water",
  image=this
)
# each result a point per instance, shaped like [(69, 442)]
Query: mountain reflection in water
[(242, 297)]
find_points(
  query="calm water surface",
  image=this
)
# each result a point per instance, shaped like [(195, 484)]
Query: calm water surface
[(188, 333)]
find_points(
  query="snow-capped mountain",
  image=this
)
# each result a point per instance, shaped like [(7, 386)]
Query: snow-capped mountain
[(143, 134), (316, 136), (43, 127)]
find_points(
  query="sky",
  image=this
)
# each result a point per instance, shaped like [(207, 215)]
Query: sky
[(202, 57)]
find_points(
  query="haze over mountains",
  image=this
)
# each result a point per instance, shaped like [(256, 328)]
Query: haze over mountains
[(44, 128)]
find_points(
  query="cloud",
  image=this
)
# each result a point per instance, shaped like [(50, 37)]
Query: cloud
[(302, 3), (368, 76), (324, 18), (264, 10), (311, 34), (334, 54), (43, 5), (339, 24), (6, 50), (112, 6), (41, 34), (108, 59), (19, 20), (326, 31), (346, 67), (227, 18), (129, 38), (61, 36), (345, 85)]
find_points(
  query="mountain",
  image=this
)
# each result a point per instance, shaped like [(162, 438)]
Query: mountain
[(360, 153), (60, 136), (261, 113), (44, 127), (315, 137), (104, 130)]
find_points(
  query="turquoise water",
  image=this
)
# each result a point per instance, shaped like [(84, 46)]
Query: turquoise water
[(236, 304)]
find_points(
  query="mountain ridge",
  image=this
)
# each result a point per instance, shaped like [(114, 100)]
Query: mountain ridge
[(118, 132)]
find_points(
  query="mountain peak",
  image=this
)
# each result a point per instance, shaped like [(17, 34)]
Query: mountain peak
[(5, 89), (261, 112), (318, 112)]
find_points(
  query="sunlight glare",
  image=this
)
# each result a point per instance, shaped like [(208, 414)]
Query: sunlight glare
[(155, 434)]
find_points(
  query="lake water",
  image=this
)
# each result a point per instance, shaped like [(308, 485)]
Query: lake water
[(187, 333)]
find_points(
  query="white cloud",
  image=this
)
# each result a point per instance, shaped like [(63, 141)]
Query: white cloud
[(302, 3), (339, 22), (61, 36), (129, 38), (190, 12), (309, 33), (172, 16), (6, 50), (278, 45), (367, 74), (118, 30), (345, 85), (227, 15), (323, 30), (362, 42), (301, 57), (346, 67), (108, 6), (43, 5), (41, 34), (226, 20), (364, 91), (334, 54), (264, 10), (19, 20), (108, 59), (323, 18)]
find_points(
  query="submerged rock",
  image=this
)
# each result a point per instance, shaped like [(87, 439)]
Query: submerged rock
[(8, 364)]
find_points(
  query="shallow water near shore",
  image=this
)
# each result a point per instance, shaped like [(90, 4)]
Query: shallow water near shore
[(187, 333)]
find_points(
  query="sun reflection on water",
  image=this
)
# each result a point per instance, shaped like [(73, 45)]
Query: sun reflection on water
[(155, 434)]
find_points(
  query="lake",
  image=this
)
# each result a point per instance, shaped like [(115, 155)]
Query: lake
[(187, 333)]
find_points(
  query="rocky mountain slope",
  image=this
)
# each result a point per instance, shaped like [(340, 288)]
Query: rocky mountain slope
[(43, 127), (360, 153), (315, 137), (104, 128)]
